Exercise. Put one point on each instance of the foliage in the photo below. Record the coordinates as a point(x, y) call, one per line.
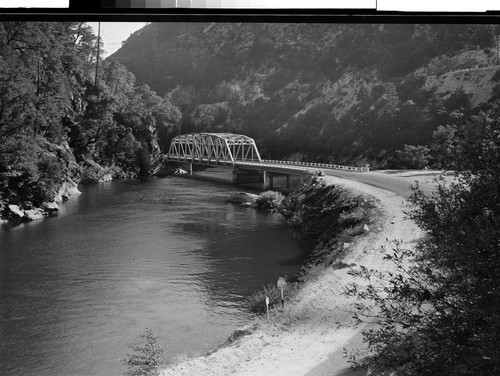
point(328, 214)
point(283, 83)
point(52, 94)
point(269, 199)
point(414, 156)
point(438, 310)
point(444, 146)
point(257, 301)
point(147, 358)
point(301, 133)
point(35, 174)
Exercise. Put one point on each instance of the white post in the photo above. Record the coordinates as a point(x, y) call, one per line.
point(267, 307)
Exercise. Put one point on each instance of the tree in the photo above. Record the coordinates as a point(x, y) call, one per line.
point(438, 312)
point(444, 145)
point(414, 156)
point(147, 358)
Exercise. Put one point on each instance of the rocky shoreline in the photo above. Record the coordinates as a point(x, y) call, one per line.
point(14, 212)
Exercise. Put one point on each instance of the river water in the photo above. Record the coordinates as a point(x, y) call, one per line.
point(77, 290)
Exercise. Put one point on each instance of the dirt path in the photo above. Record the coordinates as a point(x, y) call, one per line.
point(307, 336)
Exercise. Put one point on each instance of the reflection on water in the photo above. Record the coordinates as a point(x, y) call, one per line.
point(168, 254)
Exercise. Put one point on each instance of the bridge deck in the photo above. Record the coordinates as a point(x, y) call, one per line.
point(270, 165)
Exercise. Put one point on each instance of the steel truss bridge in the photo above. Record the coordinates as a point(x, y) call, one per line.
point(241, 153)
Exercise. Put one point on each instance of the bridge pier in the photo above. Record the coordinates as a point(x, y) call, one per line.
point(242, 176)
point(272, 175)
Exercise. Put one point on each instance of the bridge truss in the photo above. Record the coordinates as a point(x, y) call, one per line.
point(213, 148)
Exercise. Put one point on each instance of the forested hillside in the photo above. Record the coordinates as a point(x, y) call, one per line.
point(66, 117)
point(346, 93)
point(388, 95)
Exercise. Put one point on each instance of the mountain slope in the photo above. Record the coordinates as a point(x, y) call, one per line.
point(352, 93)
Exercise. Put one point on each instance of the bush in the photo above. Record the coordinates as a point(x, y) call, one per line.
point(438, 312)
point(257, 301)
point(269, 200)
point(147, 359)
point(351, 217)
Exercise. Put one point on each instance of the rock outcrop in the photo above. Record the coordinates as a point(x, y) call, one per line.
point(243, 198)
point(26, 213)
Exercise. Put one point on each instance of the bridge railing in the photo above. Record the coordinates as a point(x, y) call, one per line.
point(214, 161)
point(318, 165)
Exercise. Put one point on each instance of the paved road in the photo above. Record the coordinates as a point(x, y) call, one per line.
point(397, 182)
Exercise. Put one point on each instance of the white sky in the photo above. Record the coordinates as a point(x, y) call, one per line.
point(114, 33)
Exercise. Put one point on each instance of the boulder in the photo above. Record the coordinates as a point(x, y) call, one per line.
point(241, 332)
point(180, 171)
point(68, 189)
point(27, 205)
point(366, 228)
point(242, 198)
point(50, 207)
point(33, 214)
point(15, 211)
point(108, 176)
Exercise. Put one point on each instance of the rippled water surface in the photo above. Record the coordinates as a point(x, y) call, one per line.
point(168, 254)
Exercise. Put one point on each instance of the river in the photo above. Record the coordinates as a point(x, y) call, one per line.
point(77, 290)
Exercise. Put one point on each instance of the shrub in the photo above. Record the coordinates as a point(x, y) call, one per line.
point(438, 311)
point(350, 232)
point(312, 272)
point(147, 359)
point(350, 217)
point(257, 301)
point(269, 200)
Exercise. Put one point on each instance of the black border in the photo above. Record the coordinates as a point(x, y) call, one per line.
point(90, 13)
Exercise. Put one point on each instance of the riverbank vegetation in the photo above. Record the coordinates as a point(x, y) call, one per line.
point(147, 359)
point(439, 311)
point(66, 116)
point(331, 216)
